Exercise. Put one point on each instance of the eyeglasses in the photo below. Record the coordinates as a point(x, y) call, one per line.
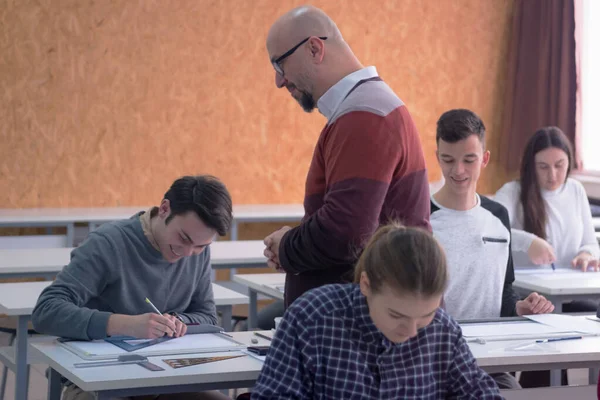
point(277, 63)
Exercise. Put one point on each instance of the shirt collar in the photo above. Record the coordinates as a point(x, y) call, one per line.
point(330, 101)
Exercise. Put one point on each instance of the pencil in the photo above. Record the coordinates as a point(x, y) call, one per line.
point(262, 336)
point(153, 306)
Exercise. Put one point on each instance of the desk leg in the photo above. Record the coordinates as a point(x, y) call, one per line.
point(54, 385)
point(555, 377)
point(70, 234)
point(234, 236)
point(593, 376)
point(253, 309)
point(557, 301)
point(226, 314)
point(22, 369)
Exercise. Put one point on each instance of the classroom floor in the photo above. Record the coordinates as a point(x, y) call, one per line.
point(38, 382)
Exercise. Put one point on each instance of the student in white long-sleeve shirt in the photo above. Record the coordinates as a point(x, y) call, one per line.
point(549, 212)
point(550, 218)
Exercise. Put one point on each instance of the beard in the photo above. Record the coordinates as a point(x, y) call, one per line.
point(307, 102)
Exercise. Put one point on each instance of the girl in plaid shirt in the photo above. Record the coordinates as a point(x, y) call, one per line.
point(383, 337)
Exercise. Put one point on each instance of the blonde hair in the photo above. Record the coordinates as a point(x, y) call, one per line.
point(406, 259)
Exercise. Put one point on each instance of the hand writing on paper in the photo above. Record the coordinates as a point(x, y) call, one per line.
point(180, 327)
point(584, 260)
point(272, 243)
point(540, 252)
point(534, 304)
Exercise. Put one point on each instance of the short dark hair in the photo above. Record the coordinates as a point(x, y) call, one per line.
point(407, 259)
point(459, 124)
point(205, 195)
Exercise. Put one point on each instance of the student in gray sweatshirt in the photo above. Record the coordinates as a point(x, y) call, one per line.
point(474, 231)
point(162, 254)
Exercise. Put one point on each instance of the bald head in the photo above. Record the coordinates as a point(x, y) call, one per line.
point(300, 23)
point(308, 54)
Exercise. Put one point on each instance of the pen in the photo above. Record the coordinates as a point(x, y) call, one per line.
point(558, 339)
point(262, 336)
point(553, 267)
point(153, 306)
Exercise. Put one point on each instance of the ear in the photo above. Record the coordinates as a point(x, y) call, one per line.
point(437, 154)
point(164, 210)
point(486, 159)
point(365, 285)
point(316, 49)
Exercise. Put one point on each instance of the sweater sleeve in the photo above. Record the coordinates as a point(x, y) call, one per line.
point(201, 309)
point(362, 155)
point(508, 196)
point(589, 243)
point(59, 310)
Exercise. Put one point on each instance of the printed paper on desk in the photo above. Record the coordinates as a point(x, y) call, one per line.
point(508, 329)
point(188, 344)
point(575, 324)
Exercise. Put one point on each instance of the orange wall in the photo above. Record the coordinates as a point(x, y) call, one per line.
point(105, 103)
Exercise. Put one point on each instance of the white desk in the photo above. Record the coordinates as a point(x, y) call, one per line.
point(267, 284)
point(133, 380)
point(49, 262)
point(130, 380)
point(95, 216)
point(559, 287)
point(19, 299)
point(225, 299)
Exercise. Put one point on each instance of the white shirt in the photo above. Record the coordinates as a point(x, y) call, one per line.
point(569, 227)
point(476, 243)
point(331, 100)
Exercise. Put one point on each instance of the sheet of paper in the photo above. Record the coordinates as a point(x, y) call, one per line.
point(573, 323)
point(509, 329)
point(543, 270)
point(201, 343)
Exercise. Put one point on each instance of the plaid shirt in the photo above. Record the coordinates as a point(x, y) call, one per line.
point(327, 347)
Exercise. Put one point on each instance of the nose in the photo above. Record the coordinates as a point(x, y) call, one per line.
point(411, 329)
point(280, 81)
point(552, 174)
point(460, 168)
point(188, 250)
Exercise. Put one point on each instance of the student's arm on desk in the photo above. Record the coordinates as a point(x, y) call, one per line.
point(59, 310)
point(202, 309)
point(361, 157)
point(286, 373)
point(465, 379)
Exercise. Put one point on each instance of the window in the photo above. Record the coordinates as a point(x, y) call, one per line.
point(590, 86)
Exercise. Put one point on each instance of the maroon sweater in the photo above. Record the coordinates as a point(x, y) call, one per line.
point(367, 169)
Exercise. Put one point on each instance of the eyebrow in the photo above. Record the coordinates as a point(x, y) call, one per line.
point(402, 315)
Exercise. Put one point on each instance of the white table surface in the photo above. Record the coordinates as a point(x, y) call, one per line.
point(571, 354)
point(133, 376)
point(227, 297)
point(29, 261)
point(19, 298)
point(556, 284)
point(241, 213)
point(262, 283)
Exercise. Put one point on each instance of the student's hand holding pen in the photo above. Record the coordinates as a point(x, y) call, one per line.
point(144, 326)
point(540, 252)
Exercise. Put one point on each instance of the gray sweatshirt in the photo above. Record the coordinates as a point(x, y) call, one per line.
point(113, 271)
